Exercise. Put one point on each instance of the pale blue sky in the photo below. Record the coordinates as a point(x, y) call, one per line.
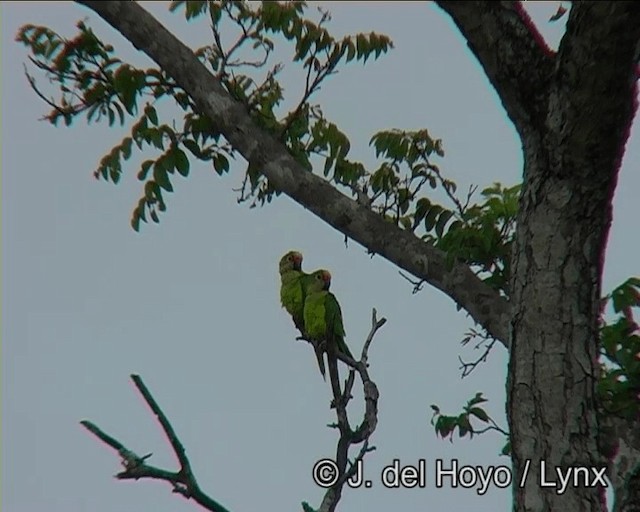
point(192, 304)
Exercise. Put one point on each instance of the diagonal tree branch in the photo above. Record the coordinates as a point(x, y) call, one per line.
point(512, 53)
point(264, 151)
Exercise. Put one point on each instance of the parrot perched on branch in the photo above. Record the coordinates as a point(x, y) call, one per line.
point(293, 283)
point(291, 289)
point(322, 314)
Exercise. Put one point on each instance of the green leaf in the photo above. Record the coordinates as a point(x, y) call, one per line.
point(430, 218)
point(135, 221)
point(124, 84)
point(155, 136)
point(464, 427)
point(161, 177)
point(151, 193)
point(125, 147)
point(477, 399)
point(181, 162)
point(151, 114)
point(351, 50)
point(422, 206)
point(445, 425)
point(144, 170)
point(479, 413)
point(303, 46)
point(442, 221)
point(220, 164)
point(142, 203)
point(193, 147)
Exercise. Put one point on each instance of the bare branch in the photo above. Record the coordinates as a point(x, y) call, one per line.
point(135, 467)
point(348, 436)
point(285, 174)
point(177, 446)
point(467, 368)
point(493, 426)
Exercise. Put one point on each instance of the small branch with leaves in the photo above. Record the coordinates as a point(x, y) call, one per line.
point(183, 481)
point(445, 426)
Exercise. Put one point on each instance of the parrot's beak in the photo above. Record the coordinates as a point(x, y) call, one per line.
point(297, 259)
point(326, 277)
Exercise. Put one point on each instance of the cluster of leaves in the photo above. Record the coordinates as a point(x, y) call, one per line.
point(478, 234)
point(483, 235)
point(91, 80)
point(619, 383)
point(446, 426)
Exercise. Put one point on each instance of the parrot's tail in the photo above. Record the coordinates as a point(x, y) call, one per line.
point(319, 356)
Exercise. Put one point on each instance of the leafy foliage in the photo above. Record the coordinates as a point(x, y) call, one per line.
point(619, 383)
point(483, 236)
point(446, 426)
point(92, 81)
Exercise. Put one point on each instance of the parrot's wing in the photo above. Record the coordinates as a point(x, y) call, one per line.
point(315, 325)
point(292, 297)
point(335, 327)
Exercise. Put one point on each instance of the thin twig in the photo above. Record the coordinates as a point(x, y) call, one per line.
point(467, 368)
point(417, 285)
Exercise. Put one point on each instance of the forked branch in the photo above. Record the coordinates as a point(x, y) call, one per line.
point(135, 467)
point(348, 436)
point(184, 481)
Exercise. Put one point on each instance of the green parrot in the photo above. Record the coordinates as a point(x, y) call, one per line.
point(291, 289)
point(322, 314)
point(293, 284)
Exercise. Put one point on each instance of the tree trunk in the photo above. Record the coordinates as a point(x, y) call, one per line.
point(562, 229)
point(572, 110)
point(572, 160)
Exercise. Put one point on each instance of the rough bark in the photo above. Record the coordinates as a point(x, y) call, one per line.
point(572, 111)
